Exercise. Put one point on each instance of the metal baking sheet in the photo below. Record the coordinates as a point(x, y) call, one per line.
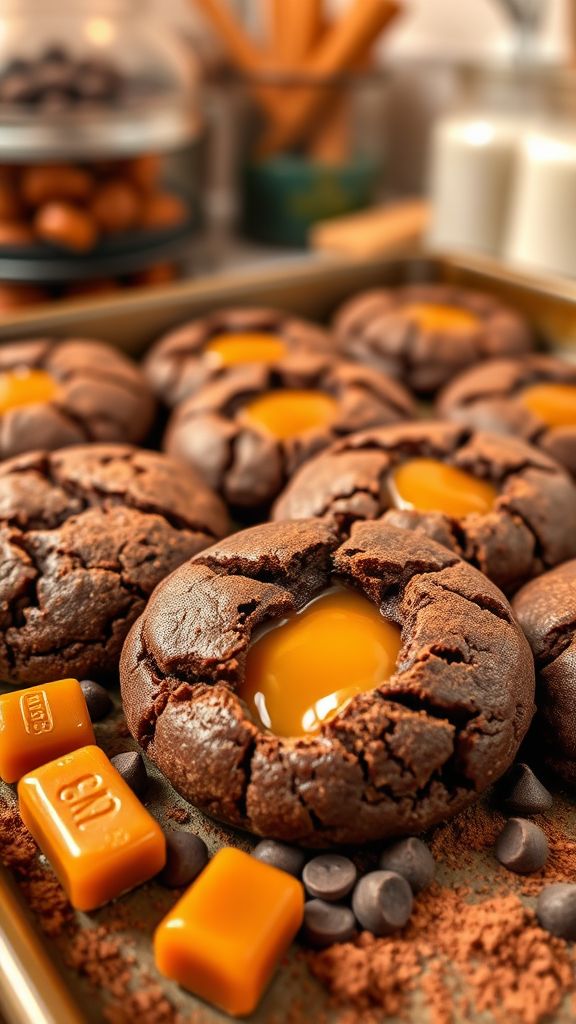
point(36, 986)
point(309, 285)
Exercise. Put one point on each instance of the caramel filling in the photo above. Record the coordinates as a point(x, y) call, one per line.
point(436, 317)
point(25, 387)
point(429, 485)
point(245, 347)
point(303, 672)
point(554, 404)
point(290, 413)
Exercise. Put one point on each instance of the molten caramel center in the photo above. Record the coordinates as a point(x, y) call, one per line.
point(554, 404)
point(290, 413)
point(246, 347)
point(303, 672)
point(436, 317)
point(429, 485)
point(25, 387)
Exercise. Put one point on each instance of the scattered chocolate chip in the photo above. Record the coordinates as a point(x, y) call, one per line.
point(412, 859)
point(186, 857)
point(522, 846)
point(327, 923)
point(556, 909)
point(98, 700)
point(280, 855)
point(382, 902)
point(329, 876)
point(131, 766)
point(521, 792)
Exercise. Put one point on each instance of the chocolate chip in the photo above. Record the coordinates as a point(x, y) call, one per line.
point(329, 876)
point(327, 923)
point(382, 902)
point(280, 855)
point(98, 700)
point(520, 792)
point(522, 846)
point(556, 909)
point(186, 857)
point(131, 766)
point(412, 859)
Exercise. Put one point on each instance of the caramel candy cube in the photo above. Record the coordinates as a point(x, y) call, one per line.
point(224, 937)
point(98, 837)
point(41, 723)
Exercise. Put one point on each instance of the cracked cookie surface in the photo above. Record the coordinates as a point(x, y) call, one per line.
point(178, 364)
point(101, 396)
point(86, 533)
point(546, 610)
point(396, 759)
point(376, 328)
point(531, 527)
point(248, 466)
point(488, 397)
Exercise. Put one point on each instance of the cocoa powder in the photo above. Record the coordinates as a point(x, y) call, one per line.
point(94, 953)
point(462, 955)
point(493, 953)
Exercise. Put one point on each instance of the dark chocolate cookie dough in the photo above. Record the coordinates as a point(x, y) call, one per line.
point(378, 328)
point(99, 395)
point(86, 533)
point(546, 610)
point(179, 363)
point(530, 528)
point(248, 466)
point(396, 759)
point(490, 397)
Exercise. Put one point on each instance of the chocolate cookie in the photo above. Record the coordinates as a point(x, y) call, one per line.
point(528, 527)
point(513, 396)
point(546, 610)
point(55, 393)
point(244, 460)
point(395, 759)
point(190, 356)
point(86, 533)
point(426, 334)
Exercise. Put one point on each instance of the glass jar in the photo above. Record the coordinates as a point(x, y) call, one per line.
point(293, 149)
point(503, 167)
point(99, 112)
point(150, 101)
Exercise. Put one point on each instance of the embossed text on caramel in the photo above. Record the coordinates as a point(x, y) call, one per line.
point(36, 712)
point(88, 800)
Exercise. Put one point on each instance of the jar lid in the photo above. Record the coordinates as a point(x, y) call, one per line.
point(80, 85)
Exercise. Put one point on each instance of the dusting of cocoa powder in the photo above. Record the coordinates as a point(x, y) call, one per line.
point(94, 953)
point(462, 955)
point(472, 831)
point(41, 890)
point(492, 952)
point(178, 814)
point(471, 948)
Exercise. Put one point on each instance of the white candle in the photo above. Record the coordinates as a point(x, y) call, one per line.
point(542, 222)
point(471, 172)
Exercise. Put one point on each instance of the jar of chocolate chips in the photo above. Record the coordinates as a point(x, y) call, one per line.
point(99, 124)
